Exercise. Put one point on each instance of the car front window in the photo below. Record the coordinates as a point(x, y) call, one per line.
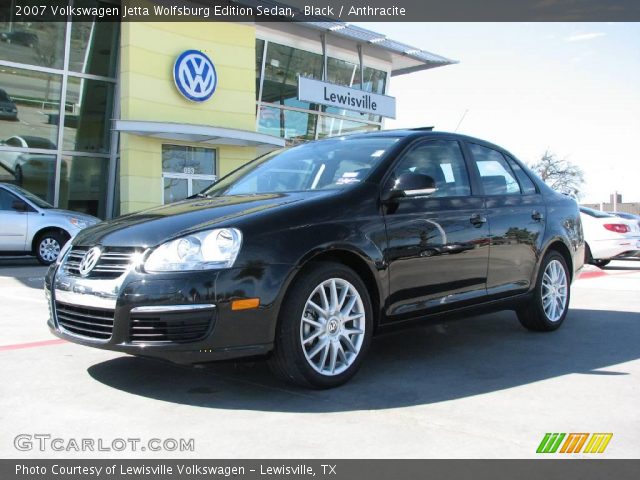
point(37, 201)
point(328, 164)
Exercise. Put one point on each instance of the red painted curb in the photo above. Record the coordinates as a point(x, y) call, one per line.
point(43, 343)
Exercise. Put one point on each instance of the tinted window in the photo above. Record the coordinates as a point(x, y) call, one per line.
point(497, 177)
point(442, 160)
point(6, 199)
point(528, 187)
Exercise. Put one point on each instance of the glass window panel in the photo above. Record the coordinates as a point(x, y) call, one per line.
point(198, 185)
point(188, 160)
point(94, 45)
point(282, 67)
point(29, 108)
point(87, 125)
point(497, 178)
point(441, 160)
point(35, 172)
point(34, 43)
point(330, 127)
point(83, 184)
point(528, 188)
point(175, 189)
point(288, 124)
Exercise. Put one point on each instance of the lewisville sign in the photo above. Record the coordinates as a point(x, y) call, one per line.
point(315, 91)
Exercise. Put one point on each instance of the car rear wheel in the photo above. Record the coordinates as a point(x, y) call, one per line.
point(48, 246)
point(550, 302)
point(324, 329)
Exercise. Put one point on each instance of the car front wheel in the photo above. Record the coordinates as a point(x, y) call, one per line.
point(324, 329)
point(550, 302)
point(48, 247)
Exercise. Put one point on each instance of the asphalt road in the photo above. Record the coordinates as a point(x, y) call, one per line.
point(481, 387)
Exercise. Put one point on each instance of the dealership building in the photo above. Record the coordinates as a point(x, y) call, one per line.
point(110, 118)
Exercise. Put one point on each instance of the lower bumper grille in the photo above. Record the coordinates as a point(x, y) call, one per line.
point(174, 327)
point(92, 323)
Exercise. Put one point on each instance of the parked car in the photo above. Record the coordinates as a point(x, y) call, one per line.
point(608, 236)
point(303, 254)
point(8, 108)
point(14, 160)
point(32, 226)
point(26, 39)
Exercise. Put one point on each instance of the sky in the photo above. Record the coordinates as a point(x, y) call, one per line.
point(571, 88)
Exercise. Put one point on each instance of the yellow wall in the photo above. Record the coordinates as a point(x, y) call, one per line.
point(148, 53)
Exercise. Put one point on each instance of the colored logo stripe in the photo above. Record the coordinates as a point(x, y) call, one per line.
point(550, 443)
point(574, 442)
point(598, 442)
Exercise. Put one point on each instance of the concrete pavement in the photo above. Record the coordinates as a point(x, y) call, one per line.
point(482, 387)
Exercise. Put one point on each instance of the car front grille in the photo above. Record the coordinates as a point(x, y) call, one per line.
point(87, 322)
point(113, 262)
point(150, 328)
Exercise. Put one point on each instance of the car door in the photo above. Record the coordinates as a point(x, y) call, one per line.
point(437, 249)
point(516, 212)
point(13, 231)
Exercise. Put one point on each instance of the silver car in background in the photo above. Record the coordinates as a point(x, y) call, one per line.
point(29, 225)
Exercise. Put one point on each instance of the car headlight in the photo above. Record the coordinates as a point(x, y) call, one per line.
point(79, 223)
point(210, 249)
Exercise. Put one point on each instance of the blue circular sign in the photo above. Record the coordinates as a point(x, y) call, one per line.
point(195, 76)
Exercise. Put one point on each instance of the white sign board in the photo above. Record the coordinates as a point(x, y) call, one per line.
point(324, 93)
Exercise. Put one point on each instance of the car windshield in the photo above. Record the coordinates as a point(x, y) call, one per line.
point(37, 201)
point(4, 97)
point(595, 213)
point(328, 164)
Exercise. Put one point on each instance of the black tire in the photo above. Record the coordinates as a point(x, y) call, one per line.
point(588, 258)
point(288, 360)
point(45, 246)
point(532, 314)
point(601, 263)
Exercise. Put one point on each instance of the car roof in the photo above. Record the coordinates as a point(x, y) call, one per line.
point(426, 132)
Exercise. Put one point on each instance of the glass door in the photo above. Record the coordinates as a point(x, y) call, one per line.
point(186, 171)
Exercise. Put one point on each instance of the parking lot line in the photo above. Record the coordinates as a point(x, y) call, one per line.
point(43, 343)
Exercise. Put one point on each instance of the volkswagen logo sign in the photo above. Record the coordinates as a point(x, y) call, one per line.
point(195, 76)
point(89, 261)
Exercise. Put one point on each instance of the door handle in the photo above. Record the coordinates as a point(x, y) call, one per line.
point(477, 219)
point(537, 216)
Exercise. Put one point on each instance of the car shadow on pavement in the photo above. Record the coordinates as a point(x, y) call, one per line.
point(26, 270)
point(409, 367)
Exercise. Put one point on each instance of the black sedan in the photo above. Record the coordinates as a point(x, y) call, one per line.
point(302, 255)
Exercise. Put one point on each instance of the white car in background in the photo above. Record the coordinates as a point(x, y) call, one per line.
point(29, 225)
point(608, 236)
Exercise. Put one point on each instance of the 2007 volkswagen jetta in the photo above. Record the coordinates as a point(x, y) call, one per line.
point(303, 254)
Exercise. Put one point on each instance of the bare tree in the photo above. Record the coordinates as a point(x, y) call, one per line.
point(559, 173)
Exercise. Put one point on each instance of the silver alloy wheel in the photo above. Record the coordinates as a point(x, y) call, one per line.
point(555, 291)
point(332, 327)
point(49, 249)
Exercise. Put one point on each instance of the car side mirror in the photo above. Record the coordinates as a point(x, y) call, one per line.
point(19, 206)
point(412, 185)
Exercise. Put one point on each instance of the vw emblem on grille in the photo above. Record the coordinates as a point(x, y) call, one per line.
point(195, 76)
point(89, 261)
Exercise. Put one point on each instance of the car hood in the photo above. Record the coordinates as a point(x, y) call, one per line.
point(69, 213)
point(157, 225)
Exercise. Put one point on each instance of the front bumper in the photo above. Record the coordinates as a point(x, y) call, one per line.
point(183, 317)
